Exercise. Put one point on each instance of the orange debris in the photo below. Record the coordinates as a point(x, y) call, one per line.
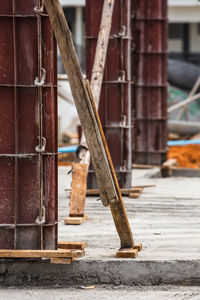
point(186, 156)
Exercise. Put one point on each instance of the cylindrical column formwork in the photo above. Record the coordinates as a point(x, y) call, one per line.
point(115, 101)
point(149, 59)
point(28, 127)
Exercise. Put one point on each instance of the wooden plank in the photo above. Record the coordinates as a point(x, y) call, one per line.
point(75, 220)
point(83, 98)
point(99, 62)
point(145, 186)
point(96, 83)
point(101, 49)
point(41, 253)
point(83, 103)
point(78, 192)
point(138, 247)
point(61, 261)
point(134, 195)
point(72, 245)
point(124, 191)
point(127, 253)
point(142, 166)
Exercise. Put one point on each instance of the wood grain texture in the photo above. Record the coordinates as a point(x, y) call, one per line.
point(72, 245)
point(101, 49)
point(124, 191)
point(40, 253)
point(78, 192)
point(82, 102)
point(85, 104)
point(75, 220)
point(127, 253)
point(99, 60)
point(61, 261)
point(134, 195)
point(138, 247)
point(96, 83)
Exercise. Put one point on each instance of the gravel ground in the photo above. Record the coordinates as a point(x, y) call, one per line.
point(104, 292)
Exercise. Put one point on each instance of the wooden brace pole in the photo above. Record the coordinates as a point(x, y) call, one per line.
point(83, 98)
point(99, 60)
point(79, 184)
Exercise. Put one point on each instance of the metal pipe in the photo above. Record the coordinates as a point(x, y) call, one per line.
point(183, 127)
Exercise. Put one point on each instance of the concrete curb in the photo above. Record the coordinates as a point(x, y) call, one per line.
point(109, 271)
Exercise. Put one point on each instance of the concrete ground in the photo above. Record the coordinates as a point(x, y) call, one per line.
point(103, 293)
point(165, 219)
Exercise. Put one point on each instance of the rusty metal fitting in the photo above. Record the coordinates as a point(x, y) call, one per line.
point(41, 220)
point(43, 147)
point(122, 76)
point(39, 10)
point(122, 31)
point(42, 81)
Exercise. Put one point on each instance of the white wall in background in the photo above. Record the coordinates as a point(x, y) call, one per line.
point(194, 38)
point(67, 113)
point(175, 45)
point(183, 2)
point(184, 14)
point(72, 2)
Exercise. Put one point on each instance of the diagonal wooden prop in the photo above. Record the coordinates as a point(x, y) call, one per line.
point(80, 168)
point(85, 104)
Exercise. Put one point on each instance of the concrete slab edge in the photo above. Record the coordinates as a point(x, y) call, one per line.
point(109, 271)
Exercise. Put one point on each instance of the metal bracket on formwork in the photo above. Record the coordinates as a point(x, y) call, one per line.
point(123, 168)
point(122, 124)
point(122, 32)
point(41, 9)
point(122, 76)
point(42, 148)
point(41, 219)
point(42, 81)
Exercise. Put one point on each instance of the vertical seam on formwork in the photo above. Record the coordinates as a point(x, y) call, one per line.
point(164, 69)
point(122, 79)
point(16, 124)
point(39, 82)
point(145, 24)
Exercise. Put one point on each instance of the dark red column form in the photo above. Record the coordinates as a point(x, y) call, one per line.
point(28, 127)
point(115, 102)
point(150, 81)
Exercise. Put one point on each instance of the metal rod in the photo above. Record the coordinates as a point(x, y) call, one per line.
point(40, 115)
point(183, 103)
point(16, 124)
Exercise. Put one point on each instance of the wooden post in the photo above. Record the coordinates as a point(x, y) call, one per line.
point(100, 59)
point(83, 98)
point(77, 202)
